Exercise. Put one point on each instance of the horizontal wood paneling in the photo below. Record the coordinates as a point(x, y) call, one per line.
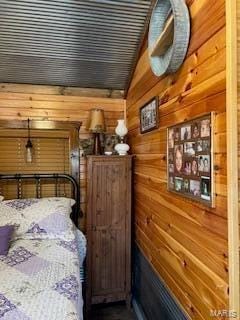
point(200, 12)
point(20, 101)
point(186, 242)
point(50, 154)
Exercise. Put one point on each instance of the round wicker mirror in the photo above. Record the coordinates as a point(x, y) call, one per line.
point(169, 34)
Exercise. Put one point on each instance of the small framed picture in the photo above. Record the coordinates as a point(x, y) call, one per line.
point(177, 134)
point(171, 168)
point(149, 118)
point(178, 156)
point(171, 182)
point(199, 146)
point(205, 188)
point(204, 163)
point(186, 185)
point(205, 128)
point(190, 156)
point(206, 145)
point(195, 130)
point(195, 188)
point(187, 167)
point(186, 133)
point(178, 184)
point(189, 148)
point(170, 138)
point(170, 156)
point(194, 167)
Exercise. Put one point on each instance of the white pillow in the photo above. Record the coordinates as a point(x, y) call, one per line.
point(47, 218)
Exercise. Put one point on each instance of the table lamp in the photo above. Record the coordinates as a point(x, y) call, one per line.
point(96, 125)
point(121, 130)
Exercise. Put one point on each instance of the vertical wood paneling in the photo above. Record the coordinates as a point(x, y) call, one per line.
point(109, 219)
point(186, 243)
point(19, 102)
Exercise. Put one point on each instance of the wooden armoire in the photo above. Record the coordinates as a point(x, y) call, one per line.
point(109, 183)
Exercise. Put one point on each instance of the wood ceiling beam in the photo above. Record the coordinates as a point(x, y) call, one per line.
point(60, 90)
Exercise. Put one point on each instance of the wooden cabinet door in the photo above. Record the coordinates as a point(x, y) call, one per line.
point(109, 226)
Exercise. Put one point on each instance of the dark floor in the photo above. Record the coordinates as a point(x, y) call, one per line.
point(112, 312)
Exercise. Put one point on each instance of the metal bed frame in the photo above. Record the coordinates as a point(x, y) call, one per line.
point(54, 176)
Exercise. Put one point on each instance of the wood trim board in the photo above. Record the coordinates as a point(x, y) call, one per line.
point(232, 24)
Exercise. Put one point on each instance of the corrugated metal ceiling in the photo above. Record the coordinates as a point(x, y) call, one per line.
point(69, 42)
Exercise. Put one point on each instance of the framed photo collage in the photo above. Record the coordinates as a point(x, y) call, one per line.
point(190, 159)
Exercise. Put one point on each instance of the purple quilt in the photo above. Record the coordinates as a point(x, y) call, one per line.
point(40, 280)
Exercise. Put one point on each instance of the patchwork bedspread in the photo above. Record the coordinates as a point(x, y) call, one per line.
point(40, 280)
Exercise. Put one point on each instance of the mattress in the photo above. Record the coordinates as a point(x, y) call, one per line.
point(40, 279)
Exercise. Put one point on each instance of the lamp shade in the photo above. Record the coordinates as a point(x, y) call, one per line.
point(96, 121)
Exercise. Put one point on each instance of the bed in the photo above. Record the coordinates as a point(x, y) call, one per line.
point(41, 276)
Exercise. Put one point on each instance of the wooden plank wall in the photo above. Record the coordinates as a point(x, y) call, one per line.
point(19, 101)
point(186, 243)
point(51, 154)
